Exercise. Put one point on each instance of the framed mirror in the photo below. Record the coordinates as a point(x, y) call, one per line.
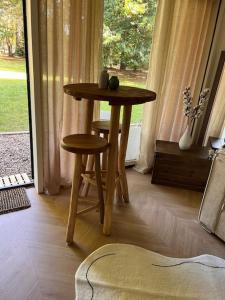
point(218, 89)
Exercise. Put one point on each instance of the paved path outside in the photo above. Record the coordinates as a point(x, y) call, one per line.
point(12, 75)
point(15, 154)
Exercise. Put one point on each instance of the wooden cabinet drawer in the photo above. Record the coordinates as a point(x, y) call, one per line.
point(182, 170)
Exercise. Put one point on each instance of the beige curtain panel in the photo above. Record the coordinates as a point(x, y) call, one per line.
point(181, 43)
point(70, 41)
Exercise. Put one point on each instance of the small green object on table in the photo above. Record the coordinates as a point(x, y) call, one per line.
point(114, 83)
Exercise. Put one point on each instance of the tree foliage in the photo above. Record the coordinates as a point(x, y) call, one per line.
point(11, 26)
point(127, 35)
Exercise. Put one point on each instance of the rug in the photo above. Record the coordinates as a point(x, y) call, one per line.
point(119, 272)
point(13, 199)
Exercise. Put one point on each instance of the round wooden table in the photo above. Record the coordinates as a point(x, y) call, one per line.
point(124, 96)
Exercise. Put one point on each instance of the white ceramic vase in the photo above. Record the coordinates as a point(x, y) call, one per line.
point(103, 80)
point(186, 140)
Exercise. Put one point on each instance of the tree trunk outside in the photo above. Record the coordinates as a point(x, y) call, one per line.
point(10, 54)
point(9, 46)
point(122, 61)
point(122, 65)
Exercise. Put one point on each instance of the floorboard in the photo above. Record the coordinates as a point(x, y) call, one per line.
point(36, 264)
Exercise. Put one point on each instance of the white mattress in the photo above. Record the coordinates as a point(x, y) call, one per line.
point(121, 271)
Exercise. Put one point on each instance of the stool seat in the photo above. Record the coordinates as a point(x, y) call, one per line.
point(84, 144)
point(103, 126)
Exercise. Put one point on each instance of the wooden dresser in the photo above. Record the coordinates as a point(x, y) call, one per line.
point(187, 169)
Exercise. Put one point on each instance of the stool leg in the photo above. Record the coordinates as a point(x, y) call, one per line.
point(89, 109)
point(105, 154)
point(74, 199)
point(119, 194)
point(123, 149)
point(90, 166)
point(112, 167)
point(99, 186)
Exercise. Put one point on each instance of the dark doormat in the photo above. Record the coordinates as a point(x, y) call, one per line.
point(13, 199)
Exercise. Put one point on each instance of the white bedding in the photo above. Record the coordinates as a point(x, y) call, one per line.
point(121, 271)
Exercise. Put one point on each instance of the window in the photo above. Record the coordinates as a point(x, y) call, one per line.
point(127, 39)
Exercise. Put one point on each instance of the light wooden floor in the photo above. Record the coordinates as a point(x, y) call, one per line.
point(36, 264)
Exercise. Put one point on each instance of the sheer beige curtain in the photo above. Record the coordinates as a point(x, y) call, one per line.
point(70, 41)
point(181, 43)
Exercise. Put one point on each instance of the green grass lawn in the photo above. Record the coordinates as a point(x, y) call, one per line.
point(13, 105)
point(137, 110)
point(13, 98)
point(12, 64)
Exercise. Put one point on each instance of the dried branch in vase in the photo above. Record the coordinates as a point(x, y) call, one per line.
point(194, 112)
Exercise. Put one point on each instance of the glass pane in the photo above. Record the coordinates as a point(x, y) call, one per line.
point(14, 117)
point(127, 40)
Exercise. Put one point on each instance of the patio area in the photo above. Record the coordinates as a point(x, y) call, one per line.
point(15, 154)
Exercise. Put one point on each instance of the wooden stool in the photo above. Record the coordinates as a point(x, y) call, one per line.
point(83, 144)
point(124, 98)
point(102, 127)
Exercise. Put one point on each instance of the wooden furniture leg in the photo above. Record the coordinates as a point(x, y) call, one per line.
point(88, 121)
point(105, 154)
point(74, 199)
point(99, 186)
point(90, 166)
point(122, 151)
point(112, 167)
point(87, 130)
point(89, 116)
point(119, 195)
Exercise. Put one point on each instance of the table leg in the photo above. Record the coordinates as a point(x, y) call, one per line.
point(112, 167)
point(123, 149)
point(99, 186)
point(89, 116)
point(119, 195)
point(87, 130)
point(105, 154)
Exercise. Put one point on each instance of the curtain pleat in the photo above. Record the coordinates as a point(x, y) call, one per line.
point(181, 43)
point(70, 52)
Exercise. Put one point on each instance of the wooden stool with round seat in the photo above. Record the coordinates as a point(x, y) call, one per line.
point(102, 127)
point(83, 144)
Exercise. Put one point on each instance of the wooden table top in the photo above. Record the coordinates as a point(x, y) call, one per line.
point(124, 95)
